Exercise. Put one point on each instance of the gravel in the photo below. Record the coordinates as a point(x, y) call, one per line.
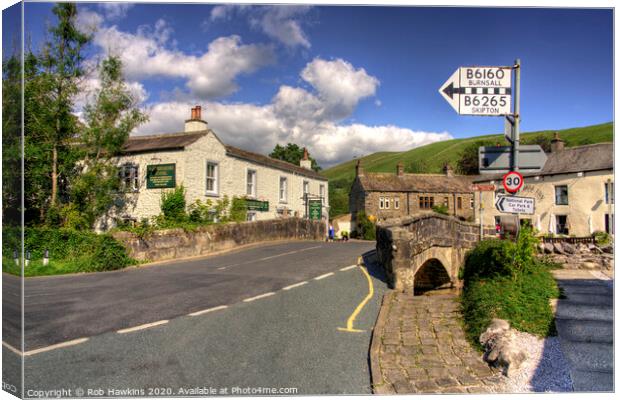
point(545, 370)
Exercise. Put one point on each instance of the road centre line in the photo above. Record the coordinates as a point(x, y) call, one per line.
point(294, 285)
point(268, 257)
point(348, 268)
point(208, 310)
point(141, 327)
point(44, 349)
point(260, 296)
point(318, 278)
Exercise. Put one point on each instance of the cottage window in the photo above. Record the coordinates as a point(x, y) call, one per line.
point(561, 224)
point(609, 193)
point(129, 177)
point(387, 203)
point(471, 203)
point(446, 201)
point(561, 195)
point(212, 178)
point(250, 216)
point(283, 189)
point(251, 183)
point(459, 203)
point(427, 202)
point(396, 203)
point(381, 203)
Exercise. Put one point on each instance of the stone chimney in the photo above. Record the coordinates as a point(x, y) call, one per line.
point(305, 162)
point(400, 169)
point(447, 169)
point(195, 123)
point(557, 144)
point(359, 168)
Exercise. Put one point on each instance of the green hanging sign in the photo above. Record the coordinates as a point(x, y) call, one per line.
point(315, 208)
point(161, 176)
point(257, 205)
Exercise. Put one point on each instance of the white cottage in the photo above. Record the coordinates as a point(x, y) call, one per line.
point(209, 169)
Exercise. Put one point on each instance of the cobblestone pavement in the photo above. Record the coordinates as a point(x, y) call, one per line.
point(419, 347)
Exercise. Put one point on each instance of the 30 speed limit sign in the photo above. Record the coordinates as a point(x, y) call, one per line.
point(512, 182)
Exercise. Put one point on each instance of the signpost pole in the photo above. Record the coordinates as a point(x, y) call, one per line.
point(515, 128)
point(517, 117)
point(480, 214)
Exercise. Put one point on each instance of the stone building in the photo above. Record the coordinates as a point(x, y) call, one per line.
point(573, 193)
point(209, 169)
point(392, 195)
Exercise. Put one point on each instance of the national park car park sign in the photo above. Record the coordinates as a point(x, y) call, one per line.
point(161, 176)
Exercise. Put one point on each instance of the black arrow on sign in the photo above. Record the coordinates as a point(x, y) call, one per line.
point(499, 204)
point(449, 90)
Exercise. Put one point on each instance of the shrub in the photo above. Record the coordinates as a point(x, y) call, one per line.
point(504, 279)
point(523, 302)
point(441, 209)
point(602, 238)
point(487, 260)
point(70, 251)
point(173, 204)
point(238, 210)
point(366, 228)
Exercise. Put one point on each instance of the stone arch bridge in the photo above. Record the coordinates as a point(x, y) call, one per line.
point(425, 252)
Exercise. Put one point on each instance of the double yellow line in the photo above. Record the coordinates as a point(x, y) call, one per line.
point(371, 292)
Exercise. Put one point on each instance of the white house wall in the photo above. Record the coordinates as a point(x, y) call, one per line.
point(191, 173)
point(586, 197)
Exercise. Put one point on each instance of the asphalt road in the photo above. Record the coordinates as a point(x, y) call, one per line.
point(288, 339)
point(62, 308)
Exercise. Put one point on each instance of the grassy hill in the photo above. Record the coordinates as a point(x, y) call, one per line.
point(431, 158)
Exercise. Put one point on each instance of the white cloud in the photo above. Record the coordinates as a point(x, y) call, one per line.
point(282, 24)
point(88, 21)
point(210, 75)
point(260, 128)
point(115, 11)
point(227, 11)
point(306, 116)
point(339, 85)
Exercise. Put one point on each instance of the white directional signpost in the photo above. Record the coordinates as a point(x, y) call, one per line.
point(479, 91)
point(491, 91)
point(515, 204)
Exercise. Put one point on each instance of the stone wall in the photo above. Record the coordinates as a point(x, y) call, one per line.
point(405, 244)
point(171, 244)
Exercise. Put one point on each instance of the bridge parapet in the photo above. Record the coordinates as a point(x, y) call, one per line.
point(406, 245)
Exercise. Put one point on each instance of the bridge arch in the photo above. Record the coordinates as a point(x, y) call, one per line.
point(431, 275)
point(426, 250)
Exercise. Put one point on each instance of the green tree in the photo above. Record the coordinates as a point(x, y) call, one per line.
point(11, 143)
point(544, 141)
point(292, 153)
point(467, 164)
point(51, 83)
point(109, 119)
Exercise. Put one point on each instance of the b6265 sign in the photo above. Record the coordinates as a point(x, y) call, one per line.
point(485, 91)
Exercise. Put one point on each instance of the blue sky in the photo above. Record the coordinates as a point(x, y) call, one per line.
point(347, 81)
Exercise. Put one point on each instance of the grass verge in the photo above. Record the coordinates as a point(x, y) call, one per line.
point(519, 294)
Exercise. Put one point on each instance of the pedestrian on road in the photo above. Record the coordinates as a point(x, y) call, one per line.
point(331, 233)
